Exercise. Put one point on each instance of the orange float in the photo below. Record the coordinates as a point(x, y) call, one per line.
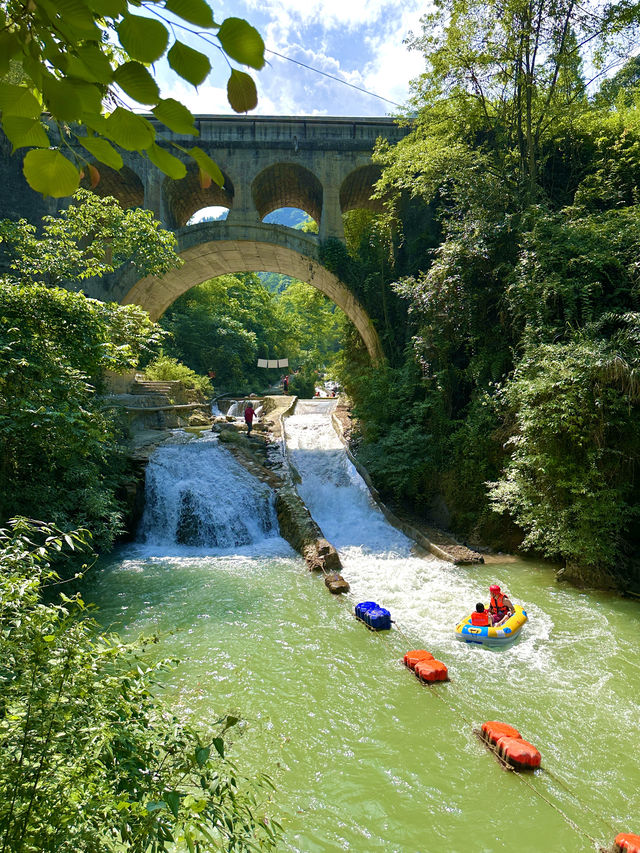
point(627, 842)
point(518, 753)
point(510, 746)
point(493, 731)
point(431, 670)
point(412, 658)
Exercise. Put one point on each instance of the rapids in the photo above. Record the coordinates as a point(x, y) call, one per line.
point(363, 757)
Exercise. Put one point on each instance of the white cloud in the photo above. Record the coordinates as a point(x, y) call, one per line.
point(328, 14)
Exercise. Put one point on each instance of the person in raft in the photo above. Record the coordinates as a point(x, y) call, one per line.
point(500, 606)
point(249, 412)
point(481, 617)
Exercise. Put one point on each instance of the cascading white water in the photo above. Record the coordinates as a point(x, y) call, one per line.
point(424, 594)
point(198, 495)
point(236, 409)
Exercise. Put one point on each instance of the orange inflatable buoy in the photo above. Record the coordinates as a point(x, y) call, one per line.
point(627, 842)
point(431, 670)
point(493, 731)
point(517, 752)
point(412, 658)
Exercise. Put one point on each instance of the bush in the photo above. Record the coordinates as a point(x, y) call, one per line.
point(171, 370)
point(60, 455)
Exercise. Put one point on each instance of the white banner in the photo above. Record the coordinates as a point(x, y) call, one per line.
point(283, 362)
point(262, 362)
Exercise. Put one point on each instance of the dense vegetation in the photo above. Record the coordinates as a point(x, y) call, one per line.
point(512, 241)
point(226, 324)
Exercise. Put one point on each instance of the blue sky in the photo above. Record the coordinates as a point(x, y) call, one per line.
point(359, 41)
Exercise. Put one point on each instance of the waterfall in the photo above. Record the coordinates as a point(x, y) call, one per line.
point(198, 495)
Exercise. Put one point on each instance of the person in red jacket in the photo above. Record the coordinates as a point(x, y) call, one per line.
point(500, 605)
point(249, 412)
point(481, 617)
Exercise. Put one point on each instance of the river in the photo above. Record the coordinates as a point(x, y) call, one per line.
point(365, 758)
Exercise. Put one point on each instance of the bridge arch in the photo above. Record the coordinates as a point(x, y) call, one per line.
point(357, 187)
point(186, 196)
point(124, 185)
point(287, 185)
point(210, 249)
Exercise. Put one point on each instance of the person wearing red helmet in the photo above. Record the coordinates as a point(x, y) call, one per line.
point(500, 606)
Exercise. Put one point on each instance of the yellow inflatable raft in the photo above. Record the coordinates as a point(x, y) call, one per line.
point(490, 636)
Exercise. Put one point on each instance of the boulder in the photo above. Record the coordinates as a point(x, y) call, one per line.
point(336, 584)
point(199, 419)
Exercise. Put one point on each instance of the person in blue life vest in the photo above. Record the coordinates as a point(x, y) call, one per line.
point(481, 617)
point(500, 606)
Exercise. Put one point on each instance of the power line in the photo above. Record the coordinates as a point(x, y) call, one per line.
point(332, 77)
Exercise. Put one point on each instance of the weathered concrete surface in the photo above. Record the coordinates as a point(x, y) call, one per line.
point(210, 249)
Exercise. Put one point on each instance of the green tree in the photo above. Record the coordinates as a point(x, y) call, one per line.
point(60, 448)
point(226, 324)
point(73, 59)
point(92, 237)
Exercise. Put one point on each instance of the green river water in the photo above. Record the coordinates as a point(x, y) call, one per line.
point(364, 757)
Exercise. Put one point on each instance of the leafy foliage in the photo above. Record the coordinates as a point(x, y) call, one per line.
point(227, 323)
point(165, 369)
point(60, 455)
point(92, 237)
point(90, 759)
point(72, 58)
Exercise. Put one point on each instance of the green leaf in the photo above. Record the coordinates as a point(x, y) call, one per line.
point(242, 42)
point(108, 8)
point(190, 64)
point(166, 162)
point(219, 745)
point(50, 173)
point(73, 15)
point(202, 755)
point(128, 130)
point(208, 166)
point(25, 132)
point(9, 46)
point(241, 91)
point(173, 801)
point(18, 101)
point(62, 98)
point(101, 150)
point(90, 64)
point(175, 116)
point(134, 79)
point(154, 806)
point(197, 12)
point(143, 38)
point(231, 721)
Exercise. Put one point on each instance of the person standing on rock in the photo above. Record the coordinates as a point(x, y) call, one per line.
point(249, 412)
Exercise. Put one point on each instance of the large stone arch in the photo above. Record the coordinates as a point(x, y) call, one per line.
point(357, 187)
point(287, 185)
point(187, 195)
point(210, 249)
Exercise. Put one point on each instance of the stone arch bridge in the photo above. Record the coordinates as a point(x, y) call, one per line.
point(320, 165)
